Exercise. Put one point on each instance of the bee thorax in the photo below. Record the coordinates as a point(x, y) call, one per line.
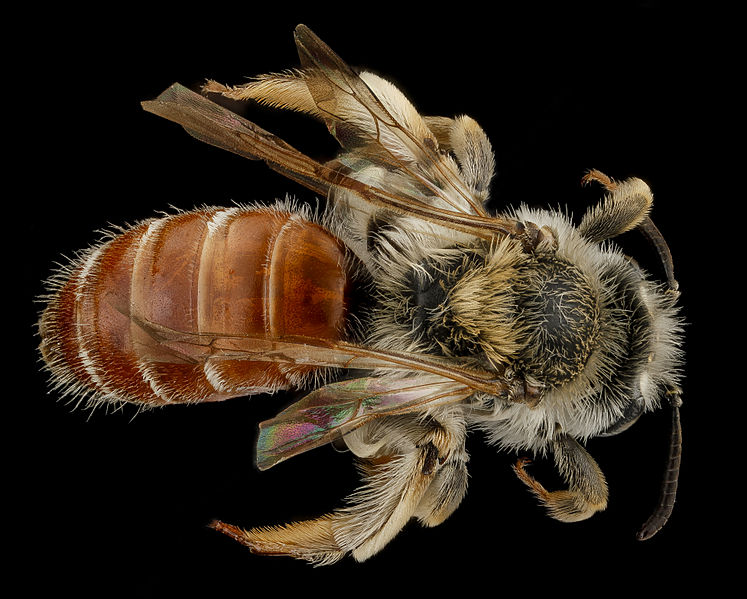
point(463, 305)
point(434, 319)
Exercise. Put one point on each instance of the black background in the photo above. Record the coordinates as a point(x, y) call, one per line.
point(119, 504)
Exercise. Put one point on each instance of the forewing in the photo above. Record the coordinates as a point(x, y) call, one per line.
point(166, 344)
point(390, 128)
point(213, 124)
point(337, 408)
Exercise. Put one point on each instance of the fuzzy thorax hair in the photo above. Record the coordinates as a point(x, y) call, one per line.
point(456, 302)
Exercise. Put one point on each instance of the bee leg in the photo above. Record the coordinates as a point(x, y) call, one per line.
point(625, 208)
point(446, 491)
point(411, 469)
point(587, 487)
point(596, 176)
point(468, 143)
point(427, 482)
point(311, 540)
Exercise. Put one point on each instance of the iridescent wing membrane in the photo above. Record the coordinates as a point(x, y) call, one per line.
point(340, 407)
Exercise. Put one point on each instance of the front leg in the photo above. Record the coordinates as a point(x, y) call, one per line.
point(587, 487)
point(625, 208)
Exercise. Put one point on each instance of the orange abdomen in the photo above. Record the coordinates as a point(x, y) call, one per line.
point(235, 271)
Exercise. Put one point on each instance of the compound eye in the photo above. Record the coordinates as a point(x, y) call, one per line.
point(627, 419)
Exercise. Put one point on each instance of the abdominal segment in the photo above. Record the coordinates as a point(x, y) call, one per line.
point(239, 271)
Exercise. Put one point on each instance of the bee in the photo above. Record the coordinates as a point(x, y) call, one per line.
point(408, 313)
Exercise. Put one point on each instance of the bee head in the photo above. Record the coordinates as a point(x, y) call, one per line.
point(599, 338)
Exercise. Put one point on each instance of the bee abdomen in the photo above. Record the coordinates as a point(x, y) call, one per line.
point(236, 271)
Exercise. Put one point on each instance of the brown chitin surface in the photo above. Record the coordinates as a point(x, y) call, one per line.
point(232, 271)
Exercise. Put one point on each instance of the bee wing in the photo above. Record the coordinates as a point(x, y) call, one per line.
point(214, 124)
point(335, 408)
point(340, 407)
point(448, 162)
point(171, 345)
point(374, 114)
point(217, 126)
